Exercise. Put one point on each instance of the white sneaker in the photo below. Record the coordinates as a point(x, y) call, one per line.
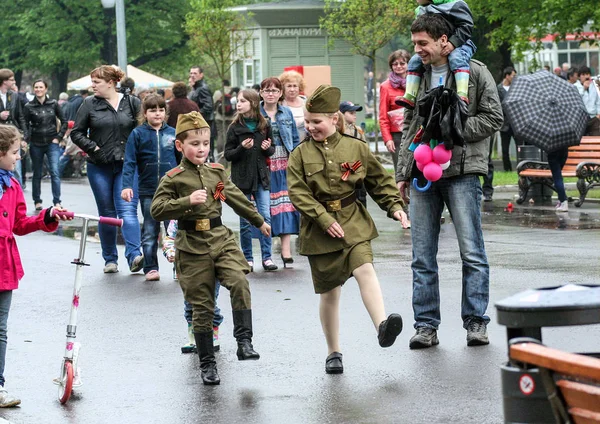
point(562, 206)
point(7, 400)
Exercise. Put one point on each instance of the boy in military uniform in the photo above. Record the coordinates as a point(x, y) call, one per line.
point(205, 249)
point(336, 230)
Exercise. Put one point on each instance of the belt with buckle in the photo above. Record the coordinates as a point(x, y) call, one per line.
point(200, 224)
point(337, 205)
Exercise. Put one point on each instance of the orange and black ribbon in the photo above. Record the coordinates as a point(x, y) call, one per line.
point(350, 169)
point(219, 191)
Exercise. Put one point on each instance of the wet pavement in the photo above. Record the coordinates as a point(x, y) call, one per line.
point(131, 332)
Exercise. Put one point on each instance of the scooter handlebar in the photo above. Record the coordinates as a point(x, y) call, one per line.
point(115, 222)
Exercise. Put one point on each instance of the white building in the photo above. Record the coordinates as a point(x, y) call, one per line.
point(570, 50)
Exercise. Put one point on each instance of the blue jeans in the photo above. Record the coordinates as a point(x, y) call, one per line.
point(218, 318)
point(262, 198)
point(5, 299)
point(18, 169)
point(458, 59)
point(106, 182)
point(53, 152)
point(462, 196)
point(556, 161)
point(150, 232)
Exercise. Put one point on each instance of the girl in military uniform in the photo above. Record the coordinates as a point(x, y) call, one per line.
point(336, 230)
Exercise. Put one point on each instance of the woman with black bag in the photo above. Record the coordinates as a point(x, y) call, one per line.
point(110, 116)
point(45, 128)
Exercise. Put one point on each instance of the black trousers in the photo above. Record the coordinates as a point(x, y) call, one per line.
point(505, 136)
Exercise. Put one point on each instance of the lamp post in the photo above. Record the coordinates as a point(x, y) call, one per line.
point(119, 5)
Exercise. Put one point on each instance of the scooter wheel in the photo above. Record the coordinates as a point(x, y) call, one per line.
point(66, 382)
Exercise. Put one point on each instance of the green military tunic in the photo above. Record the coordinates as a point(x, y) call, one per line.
point(205, 255)
point(315, 171)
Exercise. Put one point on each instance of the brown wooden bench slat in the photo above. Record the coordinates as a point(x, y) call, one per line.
point(590, 139)
point(593, 147)
point(545, 173)
point(584, 155)
point(579, 395)
point(584, 417)
point(563, 362)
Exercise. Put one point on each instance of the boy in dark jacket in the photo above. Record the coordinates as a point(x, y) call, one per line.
point(460, 49)
point(150, 153)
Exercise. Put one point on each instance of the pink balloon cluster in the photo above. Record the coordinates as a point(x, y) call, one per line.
point(432, 162)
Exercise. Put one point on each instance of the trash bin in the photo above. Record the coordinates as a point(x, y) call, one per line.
point(525, 314)
point(540, 193)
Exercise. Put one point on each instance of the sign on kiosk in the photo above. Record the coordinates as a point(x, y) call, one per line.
point(314, 76)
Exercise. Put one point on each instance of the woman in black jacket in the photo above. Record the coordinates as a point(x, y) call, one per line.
point(110, 116)
point(247, 147)
point(45, 126)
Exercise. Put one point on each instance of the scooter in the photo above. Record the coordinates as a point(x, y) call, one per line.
point(69, 365)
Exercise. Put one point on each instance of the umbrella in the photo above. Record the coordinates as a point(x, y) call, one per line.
point(141, 78)
point(546, 111)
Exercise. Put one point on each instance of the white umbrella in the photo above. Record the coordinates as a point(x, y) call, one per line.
point(141, 78)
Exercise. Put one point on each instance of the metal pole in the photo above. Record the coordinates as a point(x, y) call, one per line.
point(121, 36)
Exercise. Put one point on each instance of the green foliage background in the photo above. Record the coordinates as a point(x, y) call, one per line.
point(64, 39)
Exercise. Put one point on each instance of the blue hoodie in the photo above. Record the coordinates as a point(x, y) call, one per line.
point(142, 153)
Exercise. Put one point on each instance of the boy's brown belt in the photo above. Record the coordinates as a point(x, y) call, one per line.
point(200, 224)
point(336, 205)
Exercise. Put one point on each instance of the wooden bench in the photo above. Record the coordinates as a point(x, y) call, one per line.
point(583, 162)
point(572, 381)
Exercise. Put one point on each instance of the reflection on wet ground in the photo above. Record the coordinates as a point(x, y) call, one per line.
point(496, 213)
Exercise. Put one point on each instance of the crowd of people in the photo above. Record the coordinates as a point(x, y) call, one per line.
point(299, 166)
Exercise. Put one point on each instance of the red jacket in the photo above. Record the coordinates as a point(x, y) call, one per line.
point(387, 95)
point(14, 220)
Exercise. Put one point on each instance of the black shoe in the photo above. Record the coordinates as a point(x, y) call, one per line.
point(246, 351)
point(424, 337)
point(487, 197)
point(208, 365)
point(477, 333)
point(333, 364)
point(269, 265)
point(242, 331)
point(389, 330)
point(287, 261)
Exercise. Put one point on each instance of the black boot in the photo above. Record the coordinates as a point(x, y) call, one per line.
point(242, 331)
point(208, 365)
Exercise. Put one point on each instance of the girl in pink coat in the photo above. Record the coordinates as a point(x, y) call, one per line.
point(13, 220)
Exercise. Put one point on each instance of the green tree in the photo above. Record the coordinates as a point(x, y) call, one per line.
point(62, 38)
point(367, 25)
point(219, 34)
point(522, 25)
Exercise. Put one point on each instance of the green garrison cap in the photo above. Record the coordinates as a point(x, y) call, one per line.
point(190, 121)
point(325, 99)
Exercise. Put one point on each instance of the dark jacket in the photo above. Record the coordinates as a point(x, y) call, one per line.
point(108, 129)
point(248, 166)
point(485, 118)
point(202, 95)
point(178, 106)
point(40, 120)
point(457, 14)
point(72, 106)
point(502, 93)
point(152, 152)
point(15, 108)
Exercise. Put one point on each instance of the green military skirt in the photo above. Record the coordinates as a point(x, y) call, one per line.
point(330, 270)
